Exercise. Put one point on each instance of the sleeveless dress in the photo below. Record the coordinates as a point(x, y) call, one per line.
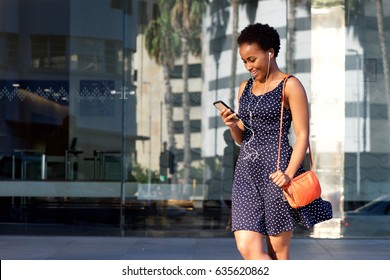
point(257, 203)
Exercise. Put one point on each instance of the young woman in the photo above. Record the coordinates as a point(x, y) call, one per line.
point(259, 209)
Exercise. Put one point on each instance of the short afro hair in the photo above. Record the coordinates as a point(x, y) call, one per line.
point(263, 35)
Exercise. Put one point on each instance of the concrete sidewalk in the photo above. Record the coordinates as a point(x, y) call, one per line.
point(151, 248)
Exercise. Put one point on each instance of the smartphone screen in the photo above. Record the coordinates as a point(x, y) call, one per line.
point(219, 104)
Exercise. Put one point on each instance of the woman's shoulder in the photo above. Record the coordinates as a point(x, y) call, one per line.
point(292, 81)
point(294, 88)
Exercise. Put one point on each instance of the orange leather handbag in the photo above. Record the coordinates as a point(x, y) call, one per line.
point(304, 188)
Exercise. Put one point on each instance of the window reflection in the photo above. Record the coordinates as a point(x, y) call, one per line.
point(90, 110)
point(48, 52)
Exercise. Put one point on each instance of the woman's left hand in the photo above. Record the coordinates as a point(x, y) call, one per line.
point(280, 178)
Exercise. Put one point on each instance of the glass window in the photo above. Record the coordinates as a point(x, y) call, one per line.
point(48, 52)
point(108, 127)
point(8, 47)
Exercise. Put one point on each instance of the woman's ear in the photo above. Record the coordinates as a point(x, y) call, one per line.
point(270, 53)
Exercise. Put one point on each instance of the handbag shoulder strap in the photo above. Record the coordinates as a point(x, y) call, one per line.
point(281, 125)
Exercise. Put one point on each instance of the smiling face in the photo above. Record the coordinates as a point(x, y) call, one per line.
point(255, 60)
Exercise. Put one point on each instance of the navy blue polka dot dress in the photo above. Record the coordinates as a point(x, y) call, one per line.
point(257, 203)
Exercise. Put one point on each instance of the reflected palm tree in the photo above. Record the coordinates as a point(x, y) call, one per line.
point(385, 59)
point(235, 18)
point(187, 22)
point(353, 19)
point(251, 10)
point(220, 15)
point(292, 31)
point(164, 46)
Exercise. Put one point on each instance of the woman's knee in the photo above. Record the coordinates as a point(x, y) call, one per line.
point(279, 245)
point(244, 247)
point(250, 245)
point(250, 252)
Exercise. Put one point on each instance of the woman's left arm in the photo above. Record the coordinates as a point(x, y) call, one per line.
point(296, 101)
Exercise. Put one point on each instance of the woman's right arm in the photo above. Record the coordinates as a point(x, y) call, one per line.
point(235, 125)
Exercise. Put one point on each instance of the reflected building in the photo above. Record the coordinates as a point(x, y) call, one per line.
point(63, 89)
point(83, 117)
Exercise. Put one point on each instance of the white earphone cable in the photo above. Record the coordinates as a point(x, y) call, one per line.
point(252, 153)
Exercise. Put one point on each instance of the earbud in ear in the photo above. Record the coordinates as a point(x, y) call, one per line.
point(269, 54)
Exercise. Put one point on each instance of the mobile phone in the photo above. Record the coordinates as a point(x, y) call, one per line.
point(219, 104)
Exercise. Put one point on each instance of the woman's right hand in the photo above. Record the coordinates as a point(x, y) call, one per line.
point(229, 118)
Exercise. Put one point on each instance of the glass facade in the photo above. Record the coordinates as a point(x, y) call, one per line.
point(107, 125)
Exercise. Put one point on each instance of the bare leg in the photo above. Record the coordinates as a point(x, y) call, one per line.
point(250, 244)
point(279, 245)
